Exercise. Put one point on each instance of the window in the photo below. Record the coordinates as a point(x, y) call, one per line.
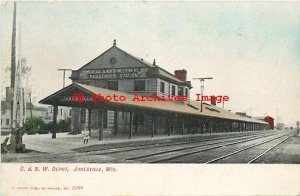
point(82, 116)
point(113, 85)
point(180, 91)
point(186, 92)
point(139, 85)
point(1, 121)
point(70, 112)
point(61, 111)
point(162, 87)
point(173, 90)
point(7, 121)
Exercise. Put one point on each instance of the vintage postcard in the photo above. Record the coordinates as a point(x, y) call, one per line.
point(150, 98)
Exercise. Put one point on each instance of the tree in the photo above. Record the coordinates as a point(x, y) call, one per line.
point(34, 125)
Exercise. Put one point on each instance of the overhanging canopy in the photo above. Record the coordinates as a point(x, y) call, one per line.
point(64, 96)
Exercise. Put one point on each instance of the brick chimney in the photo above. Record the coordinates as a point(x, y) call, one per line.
point(213, 100)
point(181, 74)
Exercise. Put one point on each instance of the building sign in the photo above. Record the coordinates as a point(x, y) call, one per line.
point(76, 97)
point(114, 73)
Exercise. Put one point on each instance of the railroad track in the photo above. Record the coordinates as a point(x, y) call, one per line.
point(121, 154)
point(216, 145)
point(168, 156)
point(285, 137)
point(265, 152)
point(170, 144)
point(163, 155)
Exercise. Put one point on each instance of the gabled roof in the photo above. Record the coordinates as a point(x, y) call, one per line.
point(192, 108)
point(162, 71)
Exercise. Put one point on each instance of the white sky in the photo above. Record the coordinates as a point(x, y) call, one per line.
point(251, 49)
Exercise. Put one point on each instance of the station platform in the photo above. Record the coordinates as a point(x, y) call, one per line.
point(123, 140)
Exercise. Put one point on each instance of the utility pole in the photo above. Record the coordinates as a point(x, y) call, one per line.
point(13, 66)
point(202, 87)
point(17, 115)
point(64, 74)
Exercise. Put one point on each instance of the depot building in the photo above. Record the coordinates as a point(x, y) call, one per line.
point(116, 72)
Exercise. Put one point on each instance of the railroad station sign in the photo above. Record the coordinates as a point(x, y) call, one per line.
point(114, 73)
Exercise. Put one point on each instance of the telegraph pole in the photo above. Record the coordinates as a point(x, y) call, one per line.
point(13, 66)
point(202, 87)
point(16, 91)
point(64, 74)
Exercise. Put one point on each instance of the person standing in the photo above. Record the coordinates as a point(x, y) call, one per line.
point(87, 136)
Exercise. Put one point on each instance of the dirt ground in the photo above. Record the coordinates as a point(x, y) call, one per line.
point(287, 152)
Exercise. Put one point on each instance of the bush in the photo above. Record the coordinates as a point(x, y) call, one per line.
point(34, 125)
point(62, 126)
point(37, 125)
